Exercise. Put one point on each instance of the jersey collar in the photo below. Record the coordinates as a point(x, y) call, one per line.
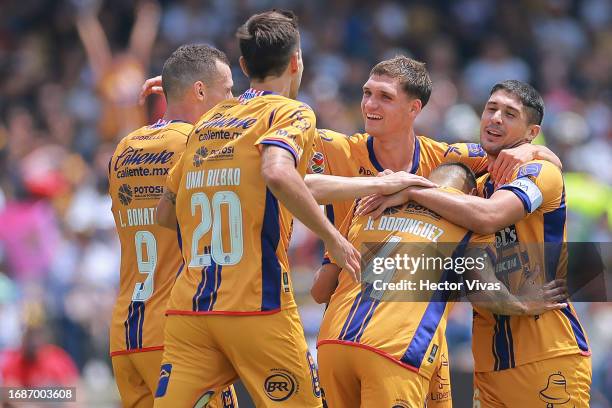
point(253, 93)
point(416, 156)
point(161, 123)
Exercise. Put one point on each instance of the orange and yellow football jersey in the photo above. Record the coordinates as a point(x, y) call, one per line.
point(235, 232)
point(532, 250)
point(349, 156)
point(395, 324)
point(150, 254)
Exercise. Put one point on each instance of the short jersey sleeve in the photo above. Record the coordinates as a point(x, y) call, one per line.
point(292, 128)
point(538, 184)
point(470, 154)
point(332, 154)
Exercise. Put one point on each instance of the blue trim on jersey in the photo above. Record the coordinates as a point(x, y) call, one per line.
point(371, 155)
point(283, 145)
point(206, 293)
point(416, 155)
point(428, 325)
point(365, 308)
point(489, 188)
point(521, 195)
point(367, 320)
point(270, 266)
point(576, 328)
point(350, 315)
point(503, 344)
point(329, 213)
point(554, 227)
point(179, 237)
point(133, 325)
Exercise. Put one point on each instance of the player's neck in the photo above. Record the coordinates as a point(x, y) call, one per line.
point(395, 152)
point(279, 85)
point(180, 112)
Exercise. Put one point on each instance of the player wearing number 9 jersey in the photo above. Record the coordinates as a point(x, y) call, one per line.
point(150, 254)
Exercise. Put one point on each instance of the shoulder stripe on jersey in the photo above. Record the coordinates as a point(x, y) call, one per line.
point(271, 119)
point(133, 325)
point(416, 155)
point(284, 145)
point(428, 325)
point(270, 267)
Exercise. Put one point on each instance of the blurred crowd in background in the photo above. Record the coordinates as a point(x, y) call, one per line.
point(71, 71)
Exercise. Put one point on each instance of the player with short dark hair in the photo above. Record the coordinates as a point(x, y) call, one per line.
point(515, 357)
point(232, 313)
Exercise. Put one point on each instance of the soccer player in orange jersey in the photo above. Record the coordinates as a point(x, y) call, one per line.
point(381, 346)
point(195, 78)
point(517, 358)
point(231, 312)
point(395, 93)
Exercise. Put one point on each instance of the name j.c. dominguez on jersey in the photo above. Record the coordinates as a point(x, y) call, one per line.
point(130, 162)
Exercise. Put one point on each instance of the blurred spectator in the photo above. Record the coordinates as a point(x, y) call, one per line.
point(118, 77)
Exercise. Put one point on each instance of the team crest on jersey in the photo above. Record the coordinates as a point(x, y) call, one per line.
point(125, 194)
point(164, 379)
point(555, 392)
point(317, 163)
point(281, 385)
point(199, 156)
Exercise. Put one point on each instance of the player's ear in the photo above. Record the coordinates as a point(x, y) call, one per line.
point(532, 132)
point(294, 62)
point(474, 191)
point(243, 66)
point(199, 90)
point(416, 106)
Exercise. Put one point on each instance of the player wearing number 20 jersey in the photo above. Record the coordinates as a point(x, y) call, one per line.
point(234, 299)
point(235, 232)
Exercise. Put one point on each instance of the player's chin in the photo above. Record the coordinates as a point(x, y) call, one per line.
point(372, 125)
point(490, 147)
